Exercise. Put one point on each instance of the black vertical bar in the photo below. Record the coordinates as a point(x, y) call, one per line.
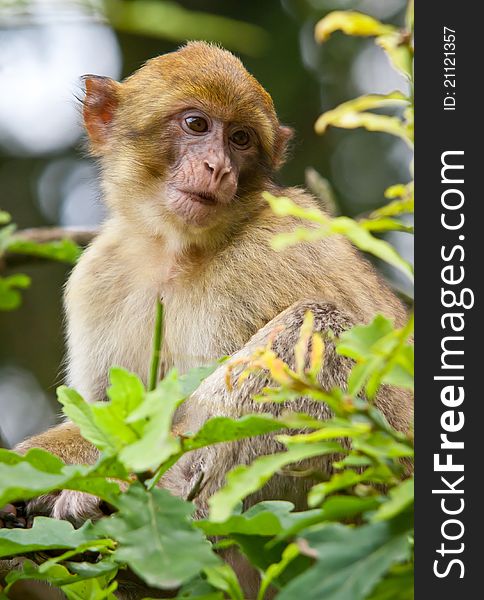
point(449, 400)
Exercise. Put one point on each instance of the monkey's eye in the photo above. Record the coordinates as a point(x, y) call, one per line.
point(197, 124)
point(240, 138)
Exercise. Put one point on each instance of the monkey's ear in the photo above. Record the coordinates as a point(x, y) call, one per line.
point(99, 106)
point(283, 137)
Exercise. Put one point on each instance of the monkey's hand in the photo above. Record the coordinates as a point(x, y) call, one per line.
point(66, 442)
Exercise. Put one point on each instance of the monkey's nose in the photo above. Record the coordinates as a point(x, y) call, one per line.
point(218, 168)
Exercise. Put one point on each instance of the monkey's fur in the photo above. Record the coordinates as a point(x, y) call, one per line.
point(224, 289)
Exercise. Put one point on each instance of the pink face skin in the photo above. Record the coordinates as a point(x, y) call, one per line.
point(210, 156)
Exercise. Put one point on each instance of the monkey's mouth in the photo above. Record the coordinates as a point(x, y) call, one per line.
point(196, 208)
point(205, 198)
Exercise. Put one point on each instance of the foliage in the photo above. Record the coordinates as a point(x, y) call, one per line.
point(363, 232)
point(61, 250)
point(151, 531)
point(354, 542)
point(161, 19)
point(359, 232)
point(171, 21)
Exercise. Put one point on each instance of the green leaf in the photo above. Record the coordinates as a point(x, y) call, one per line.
point(6, 232)
point(398, 190)
point(276, 569)
point(137, 426)
point(338, 481)
point(225, 429)
point(81, 413)
point(380, 445)
point(372, 101)
point(62, 250)
point(283, 207)
point(353, 230)
point(335, 508)
point(56, 575)
point(383, 355)
point(380, 474)
point(397, 207)
point(359, 341)
point(85, 570)
point(368, 243)
point(114, 427)
point(33, 474)
point(397, 585)
point(350, 23)
point(88, 570)
point(265, 518)
point(38, 472)
point(244, 480)
point(352, 460)
point(401, 497)
point(10, 297)
point(156, 538)
point(194, 377)
point(126, 393)
point(47, 534)
point(342, 508)
point(172, 21)
point(91, 589)
point(350, 561)
point(331, 429)
point(198, 589)
point(103, 423)
point(224, 578)
point(4, 217)
point(60, 576)
point(157, 442)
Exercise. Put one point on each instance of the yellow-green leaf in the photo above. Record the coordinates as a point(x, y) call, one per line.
point(398, 51)
point(403, 203)
point(385, 224)
point(368, 243)
point(4, 217)
point(350, 228)
point(351, 23)
point(352, 114)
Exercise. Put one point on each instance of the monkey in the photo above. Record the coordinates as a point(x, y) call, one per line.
point(186, 146)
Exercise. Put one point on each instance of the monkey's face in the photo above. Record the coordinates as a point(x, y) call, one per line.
point(211, 158)
point(185, 141)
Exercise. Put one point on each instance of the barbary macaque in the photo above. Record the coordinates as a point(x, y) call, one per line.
point(187, 145)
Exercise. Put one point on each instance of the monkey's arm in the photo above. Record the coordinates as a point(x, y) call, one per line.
point(213, 398)
point(66, 442)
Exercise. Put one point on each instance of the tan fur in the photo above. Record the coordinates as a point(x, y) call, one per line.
point(214, 300)
point(224, 289)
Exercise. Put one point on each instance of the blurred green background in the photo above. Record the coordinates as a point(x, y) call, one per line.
point(46, 178)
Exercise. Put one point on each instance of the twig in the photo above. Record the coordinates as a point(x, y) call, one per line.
point(80, 235)
point(156, 351)
point(196, 487)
